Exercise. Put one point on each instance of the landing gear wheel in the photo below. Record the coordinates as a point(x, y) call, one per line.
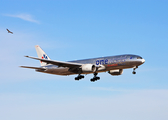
point(82, 76)
point(134, 68)
point(79, 77)
point(95, 78)
point(92, 80)
point(76, 78)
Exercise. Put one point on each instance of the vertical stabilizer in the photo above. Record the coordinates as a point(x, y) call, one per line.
point(41, 54)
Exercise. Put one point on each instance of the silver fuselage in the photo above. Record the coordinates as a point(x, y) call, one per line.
point(109, 63)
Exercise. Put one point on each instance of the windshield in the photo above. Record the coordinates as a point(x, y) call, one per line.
point(139, 57)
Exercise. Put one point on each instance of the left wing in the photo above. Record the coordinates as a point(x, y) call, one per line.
point(58, 63)
point(37, 68)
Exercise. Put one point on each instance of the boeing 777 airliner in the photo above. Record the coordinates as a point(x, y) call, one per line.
point(113, 64)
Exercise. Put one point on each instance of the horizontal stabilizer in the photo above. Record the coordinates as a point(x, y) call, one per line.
point(37, 68)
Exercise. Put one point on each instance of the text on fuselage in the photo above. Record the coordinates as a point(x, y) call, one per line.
point(102, 62)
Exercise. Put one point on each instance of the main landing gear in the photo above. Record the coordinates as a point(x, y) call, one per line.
point(79, 77)
point(134, 69)
point(95, 78)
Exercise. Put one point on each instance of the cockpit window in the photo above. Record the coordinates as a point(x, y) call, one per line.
point(139, 57)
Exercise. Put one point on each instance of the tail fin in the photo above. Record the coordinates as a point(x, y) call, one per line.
point(41, 54)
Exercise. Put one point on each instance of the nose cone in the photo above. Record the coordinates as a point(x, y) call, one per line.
point(143, 60)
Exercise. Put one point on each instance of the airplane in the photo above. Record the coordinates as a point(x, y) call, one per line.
point(113, 64)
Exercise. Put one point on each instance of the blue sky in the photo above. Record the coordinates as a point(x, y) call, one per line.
point(71, 30)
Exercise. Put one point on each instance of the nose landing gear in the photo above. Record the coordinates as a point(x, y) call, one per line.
point(134, 69)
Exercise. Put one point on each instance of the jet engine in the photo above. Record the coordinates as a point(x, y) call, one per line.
point(116, 72)
point(88, 68)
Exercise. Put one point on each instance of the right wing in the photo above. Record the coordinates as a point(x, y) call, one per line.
point(58, 63)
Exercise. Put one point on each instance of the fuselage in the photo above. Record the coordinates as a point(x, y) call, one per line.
point(108, 63)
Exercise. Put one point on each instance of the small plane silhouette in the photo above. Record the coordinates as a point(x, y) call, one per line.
point(9, 31)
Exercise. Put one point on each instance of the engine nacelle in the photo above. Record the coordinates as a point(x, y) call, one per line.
point(116, 72)
point(88, 68)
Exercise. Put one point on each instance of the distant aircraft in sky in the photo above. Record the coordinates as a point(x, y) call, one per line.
point(9, 31)
point(113, 64)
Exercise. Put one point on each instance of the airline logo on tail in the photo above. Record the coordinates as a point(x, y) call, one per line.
point(44, 56)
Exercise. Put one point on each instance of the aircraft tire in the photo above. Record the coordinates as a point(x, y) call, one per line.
point(76, 78)
point(92, 80)
point(82, 76)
